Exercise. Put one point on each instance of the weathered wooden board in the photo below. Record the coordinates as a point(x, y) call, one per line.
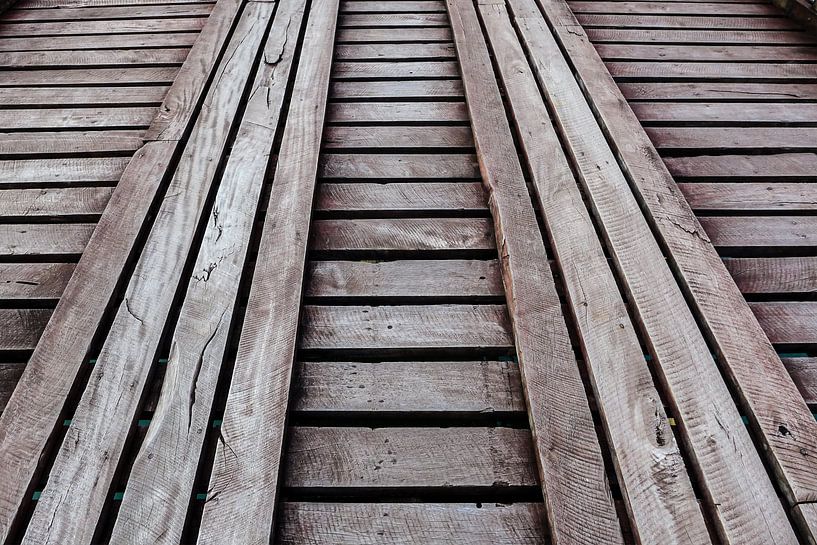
point(673, 8)
point(62, 202)
point(774, 275)
point(444, 524)
point(418, 198)
point(34, 281)
point(18, 97)
point(804, 373)
point(408, 235)
point(44, 239)
point(396, 137)
point(379, 20)
point(393, 112)
point(394, 52)
point(702, 35)
point(425, 387)
point(752, 197)
point(713, 90)
point(591, 20)
point(86, 76)
point(393, 35)
point(403, 279)
point(113, 27)
point(408, 457)
point(426, 89)
point(728, 113)
point(788, 322)
point(739, 139)
point(64, 170)
point(396, 6)
point(75, 118)
point(68, 142)
point(745, 167)
point(9, 376)
point(21, 328)
point(761, 231)
point(97, 41)
point(697, 53)
point(405, 327)
point(718, 71)
point(395, 166)
point(107, 12)
point(394, 70)
point(89, 58)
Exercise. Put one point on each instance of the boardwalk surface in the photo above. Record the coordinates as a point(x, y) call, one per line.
point(335, 272)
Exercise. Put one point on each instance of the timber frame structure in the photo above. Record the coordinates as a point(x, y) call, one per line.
point(340, 272)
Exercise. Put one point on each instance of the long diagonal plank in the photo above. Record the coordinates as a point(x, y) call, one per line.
point(658, 493)
point(568, 455)
point(160, 484)
point(736, 487)
point(242, 496)
point(768, 397)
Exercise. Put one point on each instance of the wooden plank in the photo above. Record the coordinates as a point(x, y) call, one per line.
point(75, 118)
point(34, 281)
point(242, 497)
point(400, 70)
point(63, 202)
point(67, 142)
point(444, 524)
point(734, 139)
point(393, 35)
point(711, 90)
point(403, 279)
point(379, 20)
point(52, 43)
point(34, 410)
point(590, 20)
point(43, 171)
point(107, 12)
point(461, 387)
point(721, 53)
point(21, 327)
point(754, 197)
point(92, 58)
point(397, 6)
point(86, 76)
point(719, 71)
point(721, 452)
point(704, 35)
point(395, 137)
point(395, 112)
point(788, 322)
point(408, 457)
point(361, 328)
point(395, 166)
point(167, 462)
point(412, 198)
point(805, 516)
point(764, 390)
point(804, 373)
point(38, 4)
point(674, 8)
point(394, 52)
point(43, 239)
point(114, 27)
point(778, 167)
point(9, 375)
point(661, 508)
point(761, 231)
point(150, 95)
point(774, 275)
point(407, 235)
point(427, 89)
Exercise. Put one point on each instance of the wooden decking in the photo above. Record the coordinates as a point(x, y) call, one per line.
point(407, 271)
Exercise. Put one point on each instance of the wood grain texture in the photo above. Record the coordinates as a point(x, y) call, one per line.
point(242, 495)
point(733, 140)
point(696, 53)
point(712, 90)
point(461, 387)
point(761, 231)
point(389, 166)
point(403, 278)
point(394, 52)
point(719, 71)
point(593, 20)
point(804, 373)
point(80, 118)
point(34, 281)
point(137, 95)
point(747, 167)
point(97, 41)
point(394, 70)
point(87, 13)
point(672, 8)
point(393, 35)
point(92, 58)
point(788, 322)
point(725, 113)
point(396, 137)
point(67, 142)
point(379, 20)
point(404, 89)
point(774, 275)
point(396, 112)
point(444, 524)
point(83, 76)
point(163, 473)
point(418, 198)
point(408, 457)
point(44, 171)
point(731, 474)
point(763, 388)
point(21, 328)
point(753, 197)
point(115, 27)
point(659, 497)
point(42, 239)
point(404, 327)
point(703, 35)
point(63, 202)
point(397, 6)
point(567, 453)
point(9, 375)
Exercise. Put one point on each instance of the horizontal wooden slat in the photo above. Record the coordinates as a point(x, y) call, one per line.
point(477, 387)
point(804, 373)
point(395, 6)
point(66, 202)
point(708, 139)
point(715, 112)
point(21, 328)
point(107, 169)
point(34, 281)
point(389, 35)
point(101, 27)
point(394, 51)
point(430, 234)
point(38, 143)
point(774, 275)
point(720, 71)
point(323, 523)
point(751, 196)
point(426, 166)
point(430, 89)
point(76, 118)
point(720, 53)
point(712, 90)
point(745, 167)
point(43, 239)
point(92, 58)
point(39, 4)
point(52, 43)
point(361, 328)
point(673, 8)
point(107, 12)
point(397, 112)
point(685, 21)
point(422, 278)
point(401, 70)
point(417, 198)
point(761, 231)
point(393, 20)
point(408, 457)
point(84, 76)
point(396, 137)
point(74, 96)
point(9, 376)
point(787, 322)
point(705, 35)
